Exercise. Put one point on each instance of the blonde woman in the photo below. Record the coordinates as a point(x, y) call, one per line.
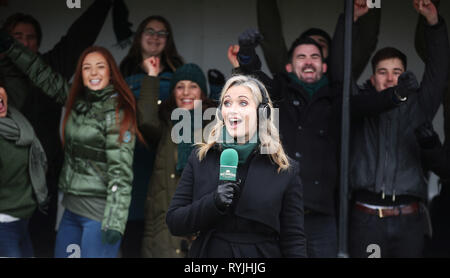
point(260, 217)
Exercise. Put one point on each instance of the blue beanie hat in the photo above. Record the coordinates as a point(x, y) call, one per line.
point(190, 72)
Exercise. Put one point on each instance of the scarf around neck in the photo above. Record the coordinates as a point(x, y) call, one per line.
point(243, 150)
point(15, 127)
point(311, 88)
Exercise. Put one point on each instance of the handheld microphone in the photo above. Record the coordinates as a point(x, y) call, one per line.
point(228, 165)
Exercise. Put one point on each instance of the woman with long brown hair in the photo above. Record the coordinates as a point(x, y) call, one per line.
point(99, 130)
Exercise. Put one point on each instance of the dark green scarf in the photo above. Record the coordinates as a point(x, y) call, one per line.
point(184, 149)
point(243, 150)
point(311, 88)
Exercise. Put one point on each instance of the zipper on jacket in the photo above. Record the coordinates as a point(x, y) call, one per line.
point(386, 150)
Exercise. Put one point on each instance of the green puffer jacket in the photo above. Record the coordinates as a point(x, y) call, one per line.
point(95, 163)
point(157, 242)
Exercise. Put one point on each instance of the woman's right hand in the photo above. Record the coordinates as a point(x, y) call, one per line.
point(224, 195)
point(151, 66)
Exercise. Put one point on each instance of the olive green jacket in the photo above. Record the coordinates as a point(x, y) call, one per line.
point(157, 241)
point(95, 162)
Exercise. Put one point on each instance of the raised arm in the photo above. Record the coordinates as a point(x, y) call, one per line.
point(365, 37)
point(435, 77)
point(82, 33)
point(147, 104)
point(40, 73)
point(419, 38)
point(273, 45)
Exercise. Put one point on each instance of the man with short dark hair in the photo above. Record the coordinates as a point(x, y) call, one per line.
point(25, 29)
point(274, 45)
point(386, 175)
point(310, 106)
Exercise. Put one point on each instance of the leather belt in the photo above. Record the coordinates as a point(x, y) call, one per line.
point(388, 211)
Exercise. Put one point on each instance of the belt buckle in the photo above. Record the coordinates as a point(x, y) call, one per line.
point(380, 212)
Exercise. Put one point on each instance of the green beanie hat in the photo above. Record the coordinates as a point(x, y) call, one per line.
point(190, 72)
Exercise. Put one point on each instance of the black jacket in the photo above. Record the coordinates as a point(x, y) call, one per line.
point(270, 205)
point(385, 156)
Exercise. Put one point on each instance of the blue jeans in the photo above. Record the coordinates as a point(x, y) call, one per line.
point(321, 235)
point(15, 240)
point(79, 236)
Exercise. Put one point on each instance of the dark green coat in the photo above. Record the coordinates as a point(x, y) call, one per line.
point(95, 163)
point(157, 241)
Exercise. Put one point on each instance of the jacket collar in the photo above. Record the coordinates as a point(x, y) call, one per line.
point(99, 95)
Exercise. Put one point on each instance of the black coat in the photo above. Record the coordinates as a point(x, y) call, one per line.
point(265, 221)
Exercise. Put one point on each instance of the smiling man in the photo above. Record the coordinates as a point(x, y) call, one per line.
point(386, 174)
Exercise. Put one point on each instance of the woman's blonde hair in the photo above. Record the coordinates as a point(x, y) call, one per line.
point(267, 132)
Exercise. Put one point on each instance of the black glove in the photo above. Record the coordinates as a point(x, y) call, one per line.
point(407, 84)
point(224, 195)
point(215, 77)
point(426, 136)
point(250, 38)
point(248, 41)
point(5, 41)
point(110, 236)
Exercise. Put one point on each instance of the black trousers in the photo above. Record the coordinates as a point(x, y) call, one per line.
point(321, 235)
point(390, 237)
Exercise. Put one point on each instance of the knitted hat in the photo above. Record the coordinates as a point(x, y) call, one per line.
point(190, 72)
